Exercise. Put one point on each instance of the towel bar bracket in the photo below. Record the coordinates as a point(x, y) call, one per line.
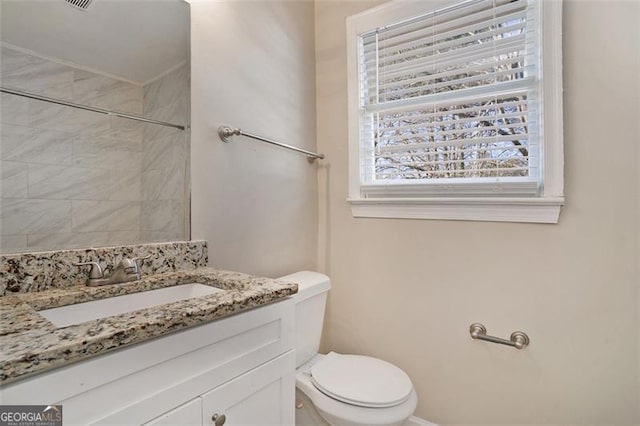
point(226, 133)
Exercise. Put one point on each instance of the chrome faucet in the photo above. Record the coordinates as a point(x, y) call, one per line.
point(127, 270)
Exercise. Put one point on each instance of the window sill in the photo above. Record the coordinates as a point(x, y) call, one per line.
point(528, 210)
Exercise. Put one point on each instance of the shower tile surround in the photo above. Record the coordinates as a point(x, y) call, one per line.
point(73, 178)
point(165, 156)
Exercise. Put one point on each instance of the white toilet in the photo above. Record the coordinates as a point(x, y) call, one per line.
point(341, 390)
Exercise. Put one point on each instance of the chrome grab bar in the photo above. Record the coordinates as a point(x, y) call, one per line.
point(226, 132)
point(518, 339)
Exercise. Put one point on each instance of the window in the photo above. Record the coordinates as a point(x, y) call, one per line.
point(455, 110)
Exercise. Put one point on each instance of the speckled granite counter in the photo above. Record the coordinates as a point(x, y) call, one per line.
point(31, 344)
point(40, 271)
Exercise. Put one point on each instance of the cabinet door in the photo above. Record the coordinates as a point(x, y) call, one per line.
point(263, 396)
point(188, 414)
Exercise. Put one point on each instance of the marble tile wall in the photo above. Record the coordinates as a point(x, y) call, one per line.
point(165, 156)
point(68, 177)
point(73, 178)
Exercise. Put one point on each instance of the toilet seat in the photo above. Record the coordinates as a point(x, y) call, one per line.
point(361, 380)
point(339, 413)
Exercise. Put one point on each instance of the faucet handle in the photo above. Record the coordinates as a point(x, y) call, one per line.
point(132, 264)
point(135, 259)
point(96, 270)
point(129, 265)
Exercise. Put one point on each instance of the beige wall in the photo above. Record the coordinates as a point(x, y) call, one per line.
point(407, 290)
point(253, 67)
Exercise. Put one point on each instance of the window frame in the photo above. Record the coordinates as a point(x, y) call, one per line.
point(504, 207)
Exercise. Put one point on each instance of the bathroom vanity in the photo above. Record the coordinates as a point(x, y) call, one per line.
point(222, 357)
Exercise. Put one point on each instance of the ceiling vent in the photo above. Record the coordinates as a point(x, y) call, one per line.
point(79, 4)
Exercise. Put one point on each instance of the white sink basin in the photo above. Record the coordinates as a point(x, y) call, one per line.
point(82, 312)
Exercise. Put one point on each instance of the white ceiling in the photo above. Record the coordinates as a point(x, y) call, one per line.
point(137, 40)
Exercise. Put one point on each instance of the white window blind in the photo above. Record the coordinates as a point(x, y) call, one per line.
point(449, 102)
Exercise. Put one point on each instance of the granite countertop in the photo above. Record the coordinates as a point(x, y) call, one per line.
point(31, 344)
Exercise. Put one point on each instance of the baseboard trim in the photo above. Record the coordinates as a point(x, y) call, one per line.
point(417, 421)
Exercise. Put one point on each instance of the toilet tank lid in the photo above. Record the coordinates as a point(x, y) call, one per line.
point(310, 283)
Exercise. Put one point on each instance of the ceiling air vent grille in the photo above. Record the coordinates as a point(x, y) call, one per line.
point(79, 4)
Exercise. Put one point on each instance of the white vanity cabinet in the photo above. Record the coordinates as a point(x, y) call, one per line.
point(242, 367)
point(262, 396)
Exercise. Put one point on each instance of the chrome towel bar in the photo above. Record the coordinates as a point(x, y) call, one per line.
point(226, 132)
point(518, 339)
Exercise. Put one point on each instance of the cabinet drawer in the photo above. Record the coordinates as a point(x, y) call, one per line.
point(263, 396)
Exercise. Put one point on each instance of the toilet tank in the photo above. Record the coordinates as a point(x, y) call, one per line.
point(310, 302)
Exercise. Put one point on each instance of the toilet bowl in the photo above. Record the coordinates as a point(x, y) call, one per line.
point(339, 389)
point(354, 399)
